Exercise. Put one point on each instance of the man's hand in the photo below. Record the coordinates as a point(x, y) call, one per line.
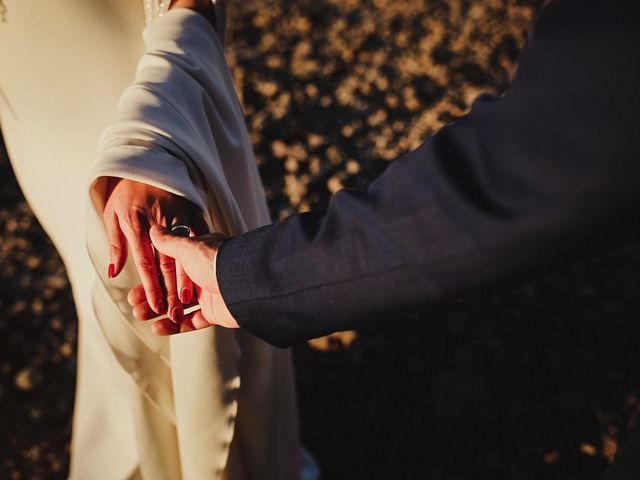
point(131, 208)
point(197, 256)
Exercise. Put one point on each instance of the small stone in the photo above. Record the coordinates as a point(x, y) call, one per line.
point(33, 262)
point(32, 453)
point(377, 118)
point(266, 88)
point(26, 379)
point(315, 140)
point(37, 306)
point(279, 148)
point(57, 282)
point(35, 413)
point(314, 165)
point(550, 458)
point(291, 165)
point(334, 184)
point(55, 323)
point(347, 131)
point(353, 167)
point(18, 307)
point(274, 61)
point(588, 449)
point(311, 90)
point(66, 350)
point(325, 101)
point(609, 447)
point(23, 380)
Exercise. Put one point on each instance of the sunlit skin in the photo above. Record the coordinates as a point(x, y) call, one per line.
point(197, 255)
point(133, 207)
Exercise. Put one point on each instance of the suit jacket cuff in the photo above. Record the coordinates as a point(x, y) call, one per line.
point(238, 268)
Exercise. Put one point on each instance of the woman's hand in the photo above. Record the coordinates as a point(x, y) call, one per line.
point(205, 8)
point(197, 255)
point(131, 209)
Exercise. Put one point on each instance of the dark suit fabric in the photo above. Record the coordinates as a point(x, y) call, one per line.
point(547, 170)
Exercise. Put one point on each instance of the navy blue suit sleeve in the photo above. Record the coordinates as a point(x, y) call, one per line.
point(544, 171)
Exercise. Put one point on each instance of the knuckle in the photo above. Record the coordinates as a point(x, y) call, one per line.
point(173, 298)
point(167, 265)
point(135, 223)
point(156, 211)
point(146, 265)
point(114, 249)
point(135, 219)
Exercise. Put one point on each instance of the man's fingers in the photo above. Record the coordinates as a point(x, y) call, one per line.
point(117, 244)
point(166, 243)
point(185, 286)
point(136, 232)
point(184, 283)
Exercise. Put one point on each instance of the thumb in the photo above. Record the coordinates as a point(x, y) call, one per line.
point(168, 244)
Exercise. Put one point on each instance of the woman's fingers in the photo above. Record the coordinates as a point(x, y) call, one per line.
point(185, 285)
point(193, 321)
point(186, 326)
point(168, 270)
point(117, 244)
point(136, 295)
point(136, 231)
point(131, 207)
point(165, 327)
point(143, 311)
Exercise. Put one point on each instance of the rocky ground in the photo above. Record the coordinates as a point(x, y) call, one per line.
point(534, 381)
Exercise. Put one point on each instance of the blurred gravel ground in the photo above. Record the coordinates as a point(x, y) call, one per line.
point(536, 381)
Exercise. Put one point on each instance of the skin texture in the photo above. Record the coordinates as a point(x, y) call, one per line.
point(131, 209)
point(197, 256)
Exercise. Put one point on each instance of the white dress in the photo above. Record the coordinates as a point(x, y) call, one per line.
point(209, 404)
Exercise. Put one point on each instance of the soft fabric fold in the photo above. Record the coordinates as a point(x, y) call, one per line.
point(180, 128)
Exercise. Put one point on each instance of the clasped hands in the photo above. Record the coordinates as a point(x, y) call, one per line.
point(180, 273)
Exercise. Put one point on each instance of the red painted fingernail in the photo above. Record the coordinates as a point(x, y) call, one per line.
point(176, 314)
point(160, 307)
point(185, 296)
point(112, 270)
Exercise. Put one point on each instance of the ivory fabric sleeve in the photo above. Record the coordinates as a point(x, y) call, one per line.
point(212, 403)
